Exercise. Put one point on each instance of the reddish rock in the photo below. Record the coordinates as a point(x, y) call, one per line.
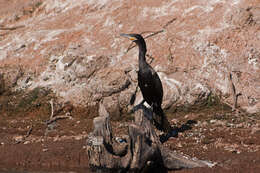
point(74, 48)
point(108, 81)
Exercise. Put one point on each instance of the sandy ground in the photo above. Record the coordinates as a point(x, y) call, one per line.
point(213, 133)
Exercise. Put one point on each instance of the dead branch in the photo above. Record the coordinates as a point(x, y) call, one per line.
point(26, 136)
point(52, 109)
point(169, 22)
point(55, 118)
point(153, 33)
point(131, 46)
point(233, 92)
point(29, 132)
point(142, 148)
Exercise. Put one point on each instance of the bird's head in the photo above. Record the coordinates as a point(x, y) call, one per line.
point(137, 38)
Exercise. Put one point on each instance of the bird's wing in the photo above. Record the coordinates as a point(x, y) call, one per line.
point(151, 86)
point(158, 85)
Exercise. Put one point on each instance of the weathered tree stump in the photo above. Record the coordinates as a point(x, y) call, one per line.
point(142, 148)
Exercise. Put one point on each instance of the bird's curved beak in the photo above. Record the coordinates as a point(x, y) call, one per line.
point(128, 36)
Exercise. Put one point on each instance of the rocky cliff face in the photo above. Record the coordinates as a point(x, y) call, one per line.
point(73, 47)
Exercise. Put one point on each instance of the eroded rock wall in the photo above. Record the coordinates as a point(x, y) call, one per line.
point(73, 47)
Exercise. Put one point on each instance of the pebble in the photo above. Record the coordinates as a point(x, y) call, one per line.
point(45, 149)
point(204, 124)
point(236, 151)
point(240, 125)
point(78, 138)
point(174, 121)
point(191, 116)
point(56, 138)
point(255, 130)
point(18, 138)
point(179, 145)
point(220, 123)
point(229, 125)
point(205, 147)
point(212, 121)
point(26, 142)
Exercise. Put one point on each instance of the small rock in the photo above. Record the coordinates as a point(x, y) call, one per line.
point(179, 145)
point(220, 123)
point(240, 125)
point(205, 147)
point(26, 142)
point(56, 138)
point(249, 124)
point(229, 125)
point(174, 121)
point(45, 149)
point(2, 143)
point(236, 151)
point(204, 124)
point(255, 130)
point(78, 138)
point(45, 78)
point(212, 121)
point(191, 116)
point(18, 138)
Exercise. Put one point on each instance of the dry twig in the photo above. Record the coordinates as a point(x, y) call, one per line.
point(55, 118)
point(153, 33)
point(131, 46)
point(29, 132)
point(26, 136)
point(169, 22)
point(233, 92)
point(52, 109)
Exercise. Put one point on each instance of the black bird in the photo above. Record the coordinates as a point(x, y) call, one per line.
point(149, 83)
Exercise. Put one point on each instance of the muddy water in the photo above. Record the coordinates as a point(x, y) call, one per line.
point(3, 170)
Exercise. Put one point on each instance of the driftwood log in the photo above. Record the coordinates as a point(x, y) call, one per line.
point(140, 151)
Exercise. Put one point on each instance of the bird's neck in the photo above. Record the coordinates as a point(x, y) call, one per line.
point(142, 53)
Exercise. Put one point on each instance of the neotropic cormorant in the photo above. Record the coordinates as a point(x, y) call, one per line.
point(149, 82)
